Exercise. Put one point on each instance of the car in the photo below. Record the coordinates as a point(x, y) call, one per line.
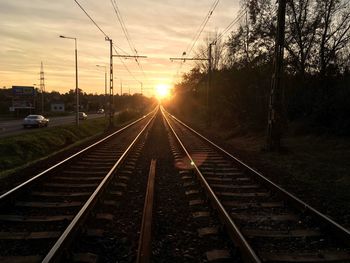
point(82, 116)
point(35, 121)
point(100, 111)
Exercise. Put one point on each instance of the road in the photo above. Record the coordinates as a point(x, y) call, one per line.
point(12, 127)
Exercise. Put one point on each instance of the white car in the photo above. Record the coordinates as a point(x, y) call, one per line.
point(35, 121)
point(82, 115)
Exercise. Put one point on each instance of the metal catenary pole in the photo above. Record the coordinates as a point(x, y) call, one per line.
point(111, 103)
point(209, 59)
point(111, 112)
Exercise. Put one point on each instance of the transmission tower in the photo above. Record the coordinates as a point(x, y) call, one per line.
point(42, 86)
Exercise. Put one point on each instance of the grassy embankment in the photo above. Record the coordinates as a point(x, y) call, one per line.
point(313, 167)
point(19, 151)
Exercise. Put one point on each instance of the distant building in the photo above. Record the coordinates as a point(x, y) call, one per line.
point(23, 98)
point(57, 107)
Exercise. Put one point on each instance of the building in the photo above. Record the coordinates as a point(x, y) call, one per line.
point(57, 107)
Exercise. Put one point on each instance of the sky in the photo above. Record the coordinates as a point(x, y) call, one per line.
point(159, 29)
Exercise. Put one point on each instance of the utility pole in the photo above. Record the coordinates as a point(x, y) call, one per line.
point(111, 112)
point(276, 110)
point(121, 87)
point(42, 86)
point(111, 104)
point(210, 62)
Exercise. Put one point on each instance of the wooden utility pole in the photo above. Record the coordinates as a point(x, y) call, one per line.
point(276, 105)
point(111, 103)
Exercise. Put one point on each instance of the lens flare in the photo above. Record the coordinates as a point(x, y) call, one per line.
point(162, 91)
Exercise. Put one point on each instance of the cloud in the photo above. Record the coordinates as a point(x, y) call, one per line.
point(158, 28)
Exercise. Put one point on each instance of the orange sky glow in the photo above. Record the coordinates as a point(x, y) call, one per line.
point(159, 29)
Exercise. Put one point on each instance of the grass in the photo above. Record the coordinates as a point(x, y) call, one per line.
point(313, 167)
point(19, 151)
point(16, 151)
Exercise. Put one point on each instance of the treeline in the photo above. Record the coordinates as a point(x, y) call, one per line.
point(88, 102)
point(317, 68)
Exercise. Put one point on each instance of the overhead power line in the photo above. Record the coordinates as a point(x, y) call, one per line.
point(122, 24)
point(115, 47)
point(233, 22)
point(93, 21)
point(195, 38)
point(126, 33)
point(202, 26)
point(125, 66)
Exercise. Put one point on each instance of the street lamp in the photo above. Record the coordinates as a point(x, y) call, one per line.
point(105, 84)
point(76, 78)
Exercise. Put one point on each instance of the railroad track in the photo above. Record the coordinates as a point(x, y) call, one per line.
point(266, 223)
point(41, 218)
point(94, 206)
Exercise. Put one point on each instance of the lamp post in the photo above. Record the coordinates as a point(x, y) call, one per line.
point(105, 107)
point(76, 78)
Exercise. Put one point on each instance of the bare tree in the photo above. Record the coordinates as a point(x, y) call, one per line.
point(301, 30)
point(252, 43)
point(334, 32)
point(217, 54)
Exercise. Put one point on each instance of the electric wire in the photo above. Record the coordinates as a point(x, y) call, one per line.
point(93, 21)
point(195, 38)
point(115, 47)
point(235, 21)
point(122, 24)
point(126, 34)
point(125, 66)
point(232, 23)
point(201, 28)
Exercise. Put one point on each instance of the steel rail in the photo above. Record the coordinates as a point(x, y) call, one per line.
point(64, 240)
point(235, 234)
point(336, 228)
point(14, 190)
point(144, 251)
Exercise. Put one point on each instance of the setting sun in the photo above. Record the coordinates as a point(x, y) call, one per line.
point(162, 91)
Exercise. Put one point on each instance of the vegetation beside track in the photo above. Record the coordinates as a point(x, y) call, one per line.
point(313, 167)
point(19, 151)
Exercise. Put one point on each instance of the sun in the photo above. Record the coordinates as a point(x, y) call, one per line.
point(162, 91)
